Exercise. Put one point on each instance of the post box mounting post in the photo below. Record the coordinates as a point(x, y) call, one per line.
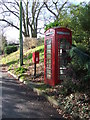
point(35, 61)
point(34, 69)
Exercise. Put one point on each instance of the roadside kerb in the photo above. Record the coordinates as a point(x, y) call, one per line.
point(35, 89)
point(13, 75)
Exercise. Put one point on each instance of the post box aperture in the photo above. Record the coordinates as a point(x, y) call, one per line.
point(57, 44)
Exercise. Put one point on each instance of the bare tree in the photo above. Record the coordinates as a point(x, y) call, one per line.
point(55, 7)
point(9, 13)
point(32, 9)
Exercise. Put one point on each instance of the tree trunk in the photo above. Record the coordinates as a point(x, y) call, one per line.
point(27, 20)
point(34, 33)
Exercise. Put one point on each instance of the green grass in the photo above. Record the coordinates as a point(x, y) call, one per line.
point(10, 59)
point(13, 58)
point(20, 70)
point(39, 48)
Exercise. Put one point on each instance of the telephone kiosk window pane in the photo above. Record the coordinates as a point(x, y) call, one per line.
point(49, 61)
point(62, 43)
point(48, 76)
point(48, 51)
point(48, 46)
point(67, 45)
point(63, 48)
point(48, 58)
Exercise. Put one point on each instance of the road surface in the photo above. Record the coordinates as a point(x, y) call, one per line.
point(19, 102)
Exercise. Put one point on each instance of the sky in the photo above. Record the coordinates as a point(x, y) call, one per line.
point(13, 35)
point(78, 1)
point(81, 1)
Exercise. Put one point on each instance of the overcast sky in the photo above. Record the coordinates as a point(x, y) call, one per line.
point(13, 35)
point(78, 1)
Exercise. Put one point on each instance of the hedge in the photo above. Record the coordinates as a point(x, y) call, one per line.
point(10, 49)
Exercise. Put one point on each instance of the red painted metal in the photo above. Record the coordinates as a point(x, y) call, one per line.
point(52, 60)
point(35, 57)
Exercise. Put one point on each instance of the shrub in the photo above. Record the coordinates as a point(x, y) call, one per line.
point(10, 49)
point(80, 59)
point(30, 56)
point(20, 70)
point(52, 24)
point(78, 72)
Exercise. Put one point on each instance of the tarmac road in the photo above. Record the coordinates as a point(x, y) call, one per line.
point(18, 102)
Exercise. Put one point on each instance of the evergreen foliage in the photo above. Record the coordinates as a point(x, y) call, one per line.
point(80, 65)
point(52, 24)
point(10, 49)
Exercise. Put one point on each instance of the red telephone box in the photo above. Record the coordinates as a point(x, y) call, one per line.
point(56, 46)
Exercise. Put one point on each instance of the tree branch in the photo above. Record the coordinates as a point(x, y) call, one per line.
point(11, 24)
point(63, 5)
point(50, 10)
point(10, 10)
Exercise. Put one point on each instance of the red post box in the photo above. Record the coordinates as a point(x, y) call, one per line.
point(35, 57)
point(56, 46)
